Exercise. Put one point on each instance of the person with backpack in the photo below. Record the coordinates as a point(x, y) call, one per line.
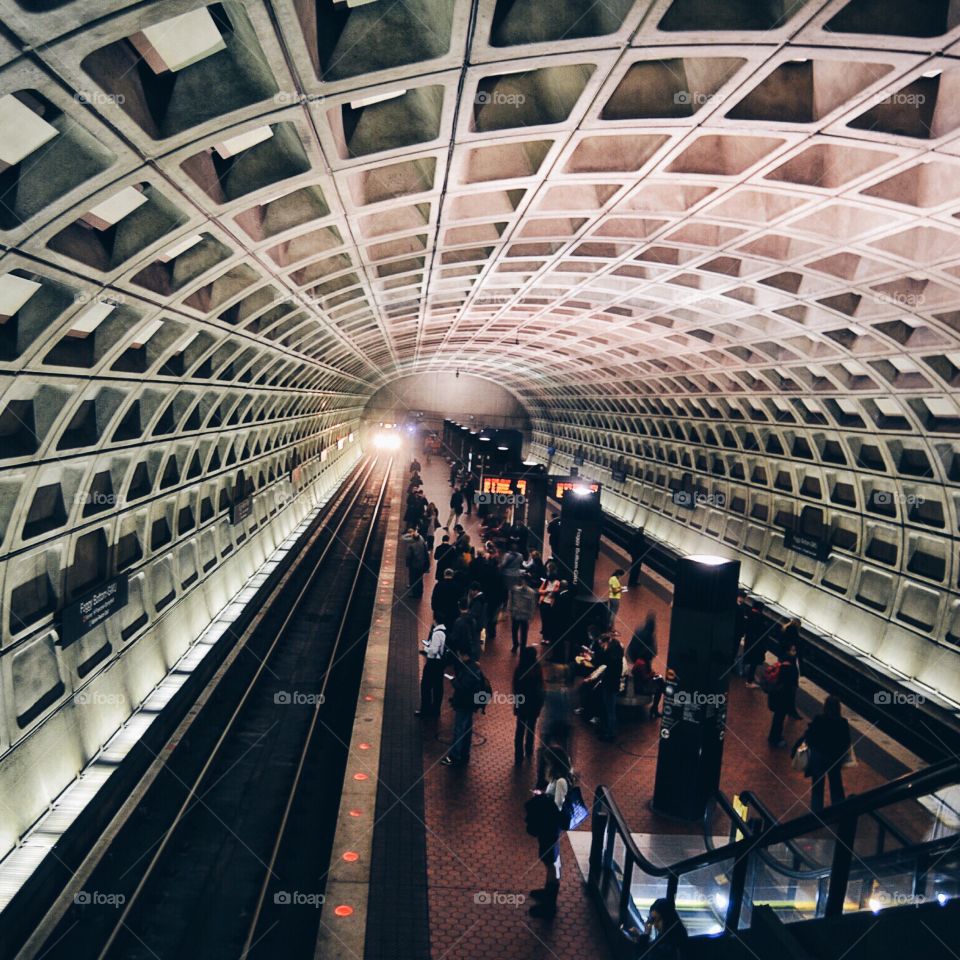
point(828, 743)
point(560, 779)
point(431, 682)
point(780, 683)
point(528, 702)
point(468, 697)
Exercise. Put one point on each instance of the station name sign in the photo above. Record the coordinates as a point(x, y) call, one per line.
point(813, 547)
point(90, 611)
point(241, 510)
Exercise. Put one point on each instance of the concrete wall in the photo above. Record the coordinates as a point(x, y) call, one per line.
point(41, 760)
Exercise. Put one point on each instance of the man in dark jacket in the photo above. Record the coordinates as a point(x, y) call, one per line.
point(782, 696)
point(638, 550)
point(469, 489)
point(445, 599)
point(611, 656)
point(445, 556)
point(456, 507)
point(417, 560)
point(828, 739)
point(460, 638)
point(467, 684)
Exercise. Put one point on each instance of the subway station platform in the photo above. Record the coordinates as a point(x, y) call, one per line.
point(452, 864)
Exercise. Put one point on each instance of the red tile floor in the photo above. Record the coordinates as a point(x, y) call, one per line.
point(480, 859)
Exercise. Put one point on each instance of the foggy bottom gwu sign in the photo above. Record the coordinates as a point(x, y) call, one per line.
point(93, 609)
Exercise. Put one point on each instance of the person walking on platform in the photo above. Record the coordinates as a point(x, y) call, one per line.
point(467, 683)
point(445, 598)
point(614, 593)
point(417, 561)
point(454, 470)
point(528, 702)
point(431, 682)
point(637, 548)
point(828, 739)
point(456, 507)
point(560, 779)
point(522, 606)
point(781, 686)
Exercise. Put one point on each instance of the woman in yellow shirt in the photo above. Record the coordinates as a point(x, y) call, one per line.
point(613, 597)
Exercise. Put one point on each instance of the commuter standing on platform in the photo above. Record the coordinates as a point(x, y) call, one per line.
point(549, 588)
point(461, 637)
point(454, 470)
point(522, 605)
point(431, 683)
point(755, 645)
point(445, 556)
point(782, 695)
point(469, 490)
point(467, 683)
point(559, 780)
point(614, 592)
point(416, 561)
point(611, 657)
point(528, 702)
point(828, 740)
point(429, 526)
point(445, 598)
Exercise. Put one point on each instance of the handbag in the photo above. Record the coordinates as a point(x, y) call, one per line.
point(850, 760)
point(801, 759)
point(574, 810)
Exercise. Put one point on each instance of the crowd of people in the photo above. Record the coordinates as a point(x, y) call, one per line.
point(559, 674)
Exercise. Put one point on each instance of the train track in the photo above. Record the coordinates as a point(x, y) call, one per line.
point(226, 855)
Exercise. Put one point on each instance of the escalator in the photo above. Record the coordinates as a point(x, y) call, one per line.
point(754, 887)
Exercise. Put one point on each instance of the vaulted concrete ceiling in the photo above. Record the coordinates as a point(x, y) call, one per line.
point(635, 215)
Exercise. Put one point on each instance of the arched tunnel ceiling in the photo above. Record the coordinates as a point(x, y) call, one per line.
point(632, 214)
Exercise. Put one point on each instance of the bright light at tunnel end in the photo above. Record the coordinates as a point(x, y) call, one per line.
point(387, 440)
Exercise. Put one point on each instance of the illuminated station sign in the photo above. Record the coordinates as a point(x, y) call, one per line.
point(562, 486)
point(503, 485)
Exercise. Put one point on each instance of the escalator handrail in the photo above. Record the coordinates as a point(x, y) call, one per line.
point(867, 866)
point(751, 799)
point(916, 784)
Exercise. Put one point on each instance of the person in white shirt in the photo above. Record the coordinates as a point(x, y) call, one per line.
point(431, 683)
